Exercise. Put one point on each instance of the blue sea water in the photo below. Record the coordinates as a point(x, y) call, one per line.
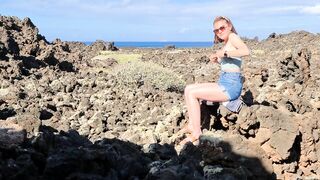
point(158, 44)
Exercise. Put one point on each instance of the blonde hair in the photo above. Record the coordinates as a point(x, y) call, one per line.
point(219, 18)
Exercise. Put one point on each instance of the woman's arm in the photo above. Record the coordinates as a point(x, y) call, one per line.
point(241, 48)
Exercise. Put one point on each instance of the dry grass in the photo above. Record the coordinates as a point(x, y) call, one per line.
point(138, 73)
point(119, 56)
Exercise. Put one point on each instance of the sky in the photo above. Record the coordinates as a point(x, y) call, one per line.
point(162, 20)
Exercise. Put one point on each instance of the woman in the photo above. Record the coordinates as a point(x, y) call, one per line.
point(229, 85)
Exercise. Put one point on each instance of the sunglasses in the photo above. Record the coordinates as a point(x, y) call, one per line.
point(222, 28)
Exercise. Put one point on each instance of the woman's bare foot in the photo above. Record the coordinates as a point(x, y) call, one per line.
point(189, 138)
point(184, 130)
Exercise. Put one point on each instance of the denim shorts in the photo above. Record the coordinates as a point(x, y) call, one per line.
point(231, 84)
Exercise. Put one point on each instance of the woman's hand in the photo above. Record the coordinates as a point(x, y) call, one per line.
point(220, 53)
point(214, 58)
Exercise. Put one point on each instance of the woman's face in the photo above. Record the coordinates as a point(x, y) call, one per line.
point(222, 29)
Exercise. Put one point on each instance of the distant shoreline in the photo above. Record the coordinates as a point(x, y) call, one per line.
point(160, 44)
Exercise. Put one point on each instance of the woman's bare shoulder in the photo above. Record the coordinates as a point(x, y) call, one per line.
point(233, 35)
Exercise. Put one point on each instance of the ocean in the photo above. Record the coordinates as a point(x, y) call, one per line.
point(158, 44)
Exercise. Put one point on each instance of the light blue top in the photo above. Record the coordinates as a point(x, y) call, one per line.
point(230, 63)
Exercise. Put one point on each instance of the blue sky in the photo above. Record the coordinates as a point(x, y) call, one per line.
point(162, 20)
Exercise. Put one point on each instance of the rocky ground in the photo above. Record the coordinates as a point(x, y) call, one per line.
point(73, 111)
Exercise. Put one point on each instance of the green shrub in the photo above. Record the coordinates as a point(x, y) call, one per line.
point(138, 73)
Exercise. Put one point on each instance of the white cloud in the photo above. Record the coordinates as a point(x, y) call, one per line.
point(291, 9)
point(277, 9)
point(184, 30)
point(311, 9)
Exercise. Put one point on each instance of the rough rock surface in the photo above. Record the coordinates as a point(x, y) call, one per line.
point(63, 111)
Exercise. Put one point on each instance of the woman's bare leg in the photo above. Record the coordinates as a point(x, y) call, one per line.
point(205, 91)
point(187, 92)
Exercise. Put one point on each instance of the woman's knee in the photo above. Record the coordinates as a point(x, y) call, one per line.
point(188, 89)
point(190, 92)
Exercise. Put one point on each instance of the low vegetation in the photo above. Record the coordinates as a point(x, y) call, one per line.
point(120, 57)
point(138, 73)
